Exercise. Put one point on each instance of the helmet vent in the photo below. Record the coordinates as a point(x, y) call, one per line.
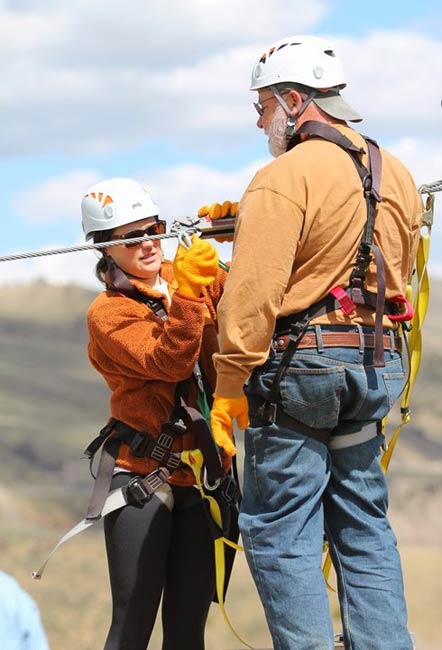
point(329, 52)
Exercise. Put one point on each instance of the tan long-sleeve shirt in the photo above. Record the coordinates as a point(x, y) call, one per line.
point(299, 227)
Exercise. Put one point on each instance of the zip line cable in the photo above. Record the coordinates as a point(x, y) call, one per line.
point(205, 228)
point(179, 228)
point(84, 247)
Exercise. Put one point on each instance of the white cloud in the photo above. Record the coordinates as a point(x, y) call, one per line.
point(83, 78)
point(423, 158)
point(56, 200)
point(145, 34)
point(394, 80)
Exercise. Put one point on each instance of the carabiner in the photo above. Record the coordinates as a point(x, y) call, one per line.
point(185, 240)
point(211, 486)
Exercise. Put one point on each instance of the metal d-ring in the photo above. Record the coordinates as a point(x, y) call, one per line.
point(211, 486)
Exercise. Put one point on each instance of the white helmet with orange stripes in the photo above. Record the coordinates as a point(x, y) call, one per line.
point(115, 202)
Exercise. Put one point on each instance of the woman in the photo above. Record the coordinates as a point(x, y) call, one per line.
point(150, 328)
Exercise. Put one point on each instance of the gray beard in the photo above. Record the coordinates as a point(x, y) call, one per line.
point(276, 133)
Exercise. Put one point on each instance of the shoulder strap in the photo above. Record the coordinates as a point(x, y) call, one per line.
point(371, 183)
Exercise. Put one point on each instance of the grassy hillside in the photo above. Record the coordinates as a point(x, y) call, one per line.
point(52, 403)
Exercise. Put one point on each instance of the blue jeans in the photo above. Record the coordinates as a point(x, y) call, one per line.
point(295, 488)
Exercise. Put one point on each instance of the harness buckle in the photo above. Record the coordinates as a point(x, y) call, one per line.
point(297, 330)
point(230, 490)
point(176, 427)
point(137, 491)
point(346, 303)
point(267, 411)
point(140, 444)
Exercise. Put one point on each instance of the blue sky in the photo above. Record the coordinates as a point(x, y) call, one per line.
point(160, 93)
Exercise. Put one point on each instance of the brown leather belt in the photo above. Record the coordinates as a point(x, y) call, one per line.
point(336, 340)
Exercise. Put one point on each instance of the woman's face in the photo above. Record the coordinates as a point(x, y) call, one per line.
point(141, 261)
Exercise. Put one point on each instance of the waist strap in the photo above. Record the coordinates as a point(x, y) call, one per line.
point(337, 340)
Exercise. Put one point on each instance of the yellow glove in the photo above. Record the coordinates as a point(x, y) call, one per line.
point(219, 210)
point(224, 410)
point(195, 267)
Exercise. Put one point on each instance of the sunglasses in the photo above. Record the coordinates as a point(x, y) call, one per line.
point(157, 228)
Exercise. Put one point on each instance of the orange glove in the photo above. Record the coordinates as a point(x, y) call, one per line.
point(195, 267)
point(219, 211)
point(224, 410)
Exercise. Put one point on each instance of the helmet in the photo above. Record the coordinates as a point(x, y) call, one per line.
point(113, 203)
point(306, 60)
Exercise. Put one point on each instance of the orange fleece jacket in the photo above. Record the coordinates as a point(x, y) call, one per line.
point(142, 358)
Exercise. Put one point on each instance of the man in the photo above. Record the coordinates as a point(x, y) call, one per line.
point(324, 245)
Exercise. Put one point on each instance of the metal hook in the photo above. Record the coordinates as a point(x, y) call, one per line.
point(211, 486)
point(185, 240)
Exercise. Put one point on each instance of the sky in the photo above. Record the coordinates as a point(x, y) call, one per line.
point(158, 92)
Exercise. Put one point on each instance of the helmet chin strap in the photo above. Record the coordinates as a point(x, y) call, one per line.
point(291, 135)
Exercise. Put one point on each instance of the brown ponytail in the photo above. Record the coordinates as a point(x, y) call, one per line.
point(101, 236)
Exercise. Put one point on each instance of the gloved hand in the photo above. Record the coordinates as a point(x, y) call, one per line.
point(195, 267)
point(224, 410)
point(219, 210)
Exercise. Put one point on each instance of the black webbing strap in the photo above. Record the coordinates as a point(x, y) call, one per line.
point(277, 416)
point(205, 443)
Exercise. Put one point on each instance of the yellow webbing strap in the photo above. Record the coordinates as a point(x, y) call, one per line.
point(420, 306)
point(194, 459)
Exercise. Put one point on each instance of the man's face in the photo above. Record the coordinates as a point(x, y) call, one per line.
point(273, 119)
point(266, 106)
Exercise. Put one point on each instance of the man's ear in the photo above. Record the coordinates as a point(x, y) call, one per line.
point(295, 102)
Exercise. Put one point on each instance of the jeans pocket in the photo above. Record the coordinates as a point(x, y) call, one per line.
point(394, 384)
point(312, 395)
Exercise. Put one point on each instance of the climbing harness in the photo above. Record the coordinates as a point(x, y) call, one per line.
point(205, 227)
point(290, 331)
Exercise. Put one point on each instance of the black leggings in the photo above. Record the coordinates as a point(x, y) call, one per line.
point(152, 552)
